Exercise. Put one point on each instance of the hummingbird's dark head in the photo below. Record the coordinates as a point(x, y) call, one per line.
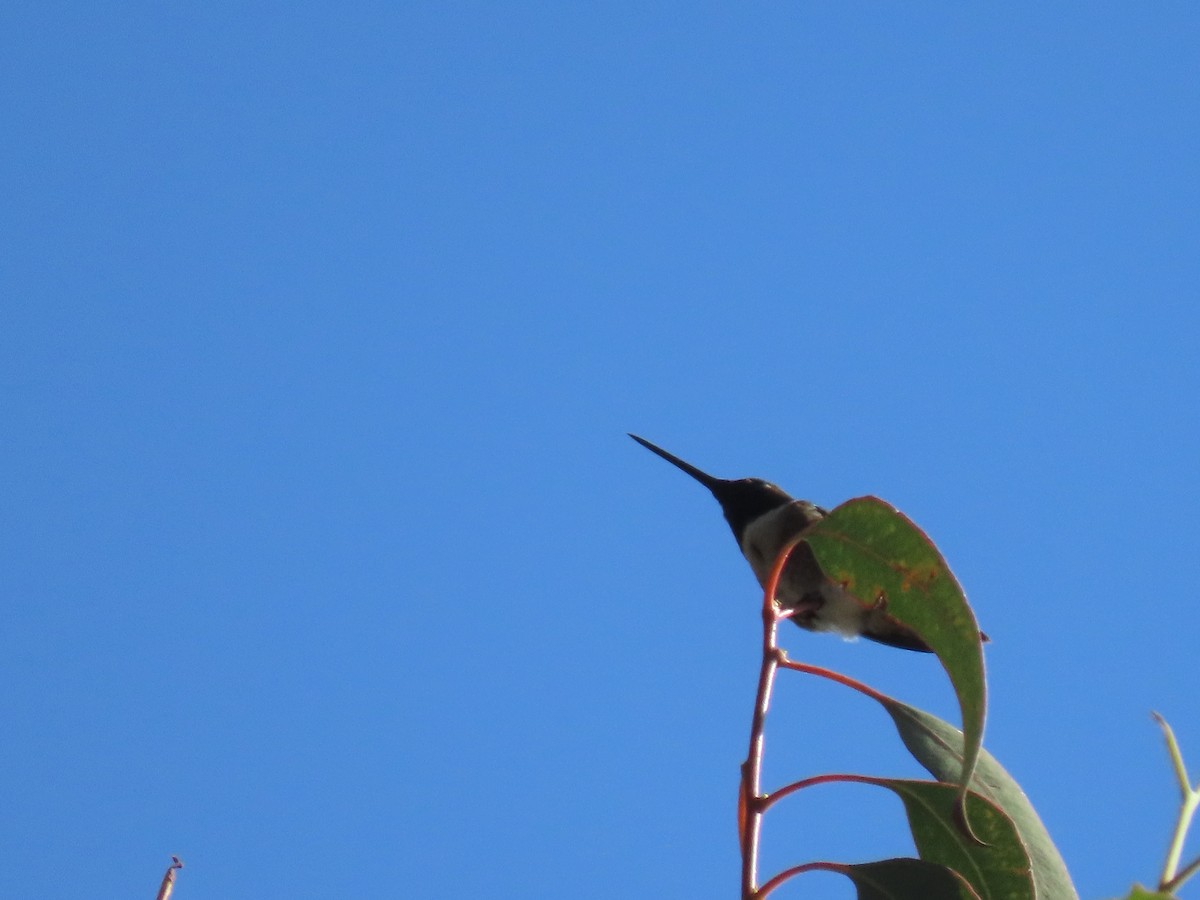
point(745, 499)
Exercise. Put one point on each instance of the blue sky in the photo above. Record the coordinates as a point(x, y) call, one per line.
point(326, 562)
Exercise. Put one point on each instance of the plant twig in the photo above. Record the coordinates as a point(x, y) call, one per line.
point(1172, 878)
point(833, 778)
point(1185, 873)
point(837, 677)
point(168, 882)
point(752, 802)
point(796, 870)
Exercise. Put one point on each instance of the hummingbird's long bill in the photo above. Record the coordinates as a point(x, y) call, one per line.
point(703, 477)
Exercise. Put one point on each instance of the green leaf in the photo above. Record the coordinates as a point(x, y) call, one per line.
point(907, 879)
point(885, 561)
point(937, 744)
point(999, 868)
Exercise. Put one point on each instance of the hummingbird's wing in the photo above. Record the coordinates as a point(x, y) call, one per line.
point(894, 634)
point(883, 629)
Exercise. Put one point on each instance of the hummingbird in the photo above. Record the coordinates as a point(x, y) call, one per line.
point(764, 518)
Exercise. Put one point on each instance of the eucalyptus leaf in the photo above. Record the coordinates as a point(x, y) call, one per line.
point(937, 745)
point(998, 869)
point(882, 559)
point(908, 879)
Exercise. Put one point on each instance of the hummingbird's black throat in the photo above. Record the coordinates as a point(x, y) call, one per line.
point(745, 500)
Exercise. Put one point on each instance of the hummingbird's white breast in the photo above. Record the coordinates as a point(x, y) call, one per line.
point(822, 605)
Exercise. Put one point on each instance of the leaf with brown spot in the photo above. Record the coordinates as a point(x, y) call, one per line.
point(872, 549)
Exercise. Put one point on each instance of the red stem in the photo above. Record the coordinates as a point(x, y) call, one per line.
point(836, 778)
point(754, 803)
point(839, 678)
point(752, 800)
point(796, 870)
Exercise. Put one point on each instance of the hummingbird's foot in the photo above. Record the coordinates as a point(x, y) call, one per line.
point(804, 612)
